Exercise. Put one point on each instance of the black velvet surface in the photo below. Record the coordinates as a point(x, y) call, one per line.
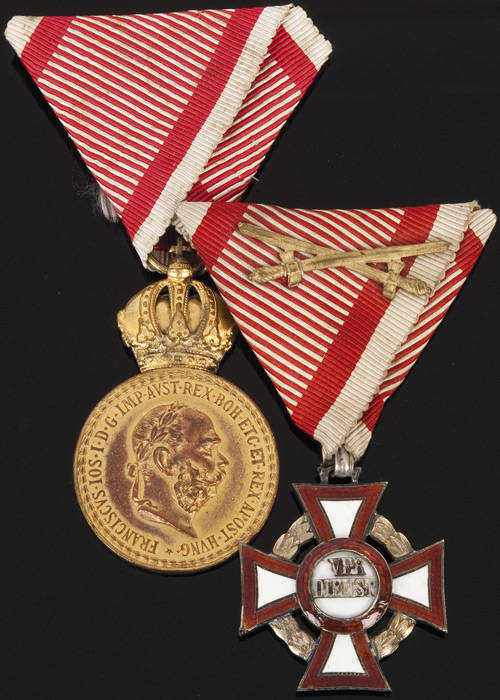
point(406, 112)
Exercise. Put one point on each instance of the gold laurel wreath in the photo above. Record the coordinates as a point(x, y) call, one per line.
point(301, 642)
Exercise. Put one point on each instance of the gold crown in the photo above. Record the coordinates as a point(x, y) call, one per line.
point(177, 322)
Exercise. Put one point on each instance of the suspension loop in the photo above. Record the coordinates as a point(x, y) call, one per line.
point(341, 465)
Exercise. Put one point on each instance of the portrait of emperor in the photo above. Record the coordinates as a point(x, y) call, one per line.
point(177, 465)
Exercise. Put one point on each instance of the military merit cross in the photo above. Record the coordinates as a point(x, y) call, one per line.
point(356, 261)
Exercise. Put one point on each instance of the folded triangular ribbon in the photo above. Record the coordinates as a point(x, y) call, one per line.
point(338, 343)
point(165, 105)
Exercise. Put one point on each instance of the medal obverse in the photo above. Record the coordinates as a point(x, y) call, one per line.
point(176, 466)
point(343, 587)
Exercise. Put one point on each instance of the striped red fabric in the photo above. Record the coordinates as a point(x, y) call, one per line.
point(334, 346)
point(168, 106)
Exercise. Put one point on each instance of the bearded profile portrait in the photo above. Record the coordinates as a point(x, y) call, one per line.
point(177, 467)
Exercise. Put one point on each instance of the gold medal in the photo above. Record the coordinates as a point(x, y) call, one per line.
point(176, 466)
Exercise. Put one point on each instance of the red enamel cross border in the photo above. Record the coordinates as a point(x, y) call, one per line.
point(343, 587)
point(422, 571)
point(257, 569)
point(347, 514)
point(318, 675)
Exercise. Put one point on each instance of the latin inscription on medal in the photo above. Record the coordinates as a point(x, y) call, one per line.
point(174, 468)
point(344, 585)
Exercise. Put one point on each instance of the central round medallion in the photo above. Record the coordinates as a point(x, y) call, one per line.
point(344, 585)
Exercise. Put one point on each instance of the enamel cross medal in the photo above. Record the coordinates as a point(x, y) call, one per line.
point(337, 306)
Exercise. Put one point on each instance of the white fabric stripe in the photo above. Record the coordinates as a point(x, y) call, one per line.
point(257, 91)
point(387, 212)
point(358, 439)
point(175, 19)
point(242, 177)
point(285, 292)
point(299, 362)
point(250, 146)
point(96, 156)
point(331, 286)
point(287, 399)
point(482, 222)
point(277, 358)
point(306, 340)
point(400, 316)
point(289, 330)
point(245, 128)
point(104, 175)
point(261, 107)
point(19, 30)
point(156, 18)
point(197, 58)
point(62, 62)
point(109, 131)
point(305, 34)
point(108, 170)
point(131, 44)
point(108, 115)
point(243, 141)
point(222, 13)
point(137, 88)
point(312, 229)
point(168, 30)
point(246, 166)
point(189, 217)
point(265, 258)
point(211, 132)
point(107, 147)
point(338, 216)
point(134, 77)
point(365, 216)
point(131, 113)
point(334, 219)
point(111, 193)
point(259, 213)
point(268, 352)
point(414, 339)
point(261, 135)
point(222, 271)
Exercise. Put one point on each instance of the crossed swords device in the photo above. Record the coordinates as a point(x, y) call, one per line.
point(358, 261)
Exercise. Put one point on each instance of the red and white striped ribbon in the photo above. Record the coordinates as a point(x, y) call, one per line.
point(167, 106)
point(184, 106)
point(334, 346)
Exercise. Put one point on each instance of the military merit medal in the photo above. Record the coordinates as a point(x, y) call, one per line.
point(176, 469)
point(338, 305)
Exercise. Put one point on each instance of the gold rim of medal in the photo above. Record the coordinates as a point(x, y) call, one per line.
point(176, 466)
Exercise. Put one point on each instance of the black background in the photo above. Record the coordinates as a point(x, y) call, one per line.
point(406, 112)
